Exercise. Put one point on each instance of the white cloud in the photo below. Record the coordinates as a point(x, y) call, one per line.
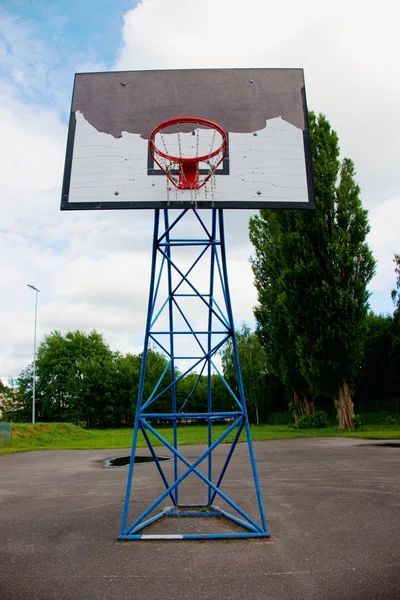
point(92, 269)
point(384, 239)
point(349, 55)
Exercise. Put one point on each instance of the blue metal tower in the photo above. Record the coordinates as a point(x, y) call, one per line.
point(170, 317)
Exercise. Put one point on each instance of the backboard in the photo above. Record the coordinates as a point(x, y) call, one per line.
point(267, 163)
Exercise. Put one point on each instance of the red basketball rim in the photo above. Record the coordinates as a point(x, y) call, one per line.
point(195, 120)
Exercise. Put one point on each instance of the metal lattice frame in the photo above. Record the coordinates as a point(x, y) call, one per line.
point(220, 324)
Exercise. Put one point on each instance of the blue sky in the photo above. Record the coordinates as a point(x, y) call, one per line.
point(92, 269)
point(73, 29)
point(68, 36)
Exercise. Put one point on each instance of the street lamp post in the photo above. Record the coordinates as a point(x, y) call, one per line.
point(34, 354)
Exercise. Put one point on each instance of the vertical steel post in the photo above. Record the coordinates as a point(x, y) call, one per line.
point(209, 345)
point(171, 344)
point(150, 310)
point(238, 371)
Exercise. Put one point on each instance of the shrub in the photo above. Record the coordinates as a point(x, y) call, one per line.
point(357, 421)
point(305, 422)
point(317, 421)
point(392, 420)
point(321, 419)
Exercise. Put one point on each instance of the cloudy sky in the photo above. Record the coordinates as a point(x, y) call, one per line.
point(92, 270)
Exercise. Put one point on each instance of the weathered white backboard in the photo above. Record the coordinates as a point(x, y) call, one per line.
point(263, 111)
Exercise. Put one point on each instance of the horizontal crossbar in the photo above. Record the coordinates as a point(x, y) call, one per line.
point(189, 332)
point(194, 536)
point(179, 415)
point(192, 511)
point(190, 243)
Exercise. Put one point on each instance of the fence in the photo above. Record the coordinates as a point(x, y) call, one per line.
point(372, 412)
point(379, 412)
point(5, 433)
point(279, 418)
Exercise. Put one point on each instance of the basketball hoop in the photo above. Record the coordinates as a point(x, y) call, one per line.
point(193, 151)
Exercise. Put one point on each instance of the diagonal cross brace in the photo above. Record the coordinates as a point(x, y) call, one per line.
point(184, 475)
point(192, 468)
point(184, 278)
point(173, 384)
point(155, 458)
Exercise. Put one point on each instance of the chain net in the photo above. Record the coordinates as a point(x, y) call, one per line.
point(189, 153)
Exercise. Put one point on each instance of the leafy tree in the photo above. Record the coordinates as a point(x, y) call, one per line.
point(80, 380)
point(121, 395)
point(271, 270)
point(221, 398)
point(254, 372)
point(156, 366)
point(5, 392)
point(394, 356)
point(73, 377)
point(318, 273)
point(192, 391)
point(375, 380)
point(13, 406)
point(396, 291)
point(19, 406)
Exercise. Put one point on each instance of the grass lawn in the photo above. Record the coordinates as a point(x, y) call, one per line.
point(64, 436)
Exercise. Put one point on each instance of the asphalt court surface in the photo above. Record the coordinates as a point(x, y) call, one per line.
point(333, 509)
